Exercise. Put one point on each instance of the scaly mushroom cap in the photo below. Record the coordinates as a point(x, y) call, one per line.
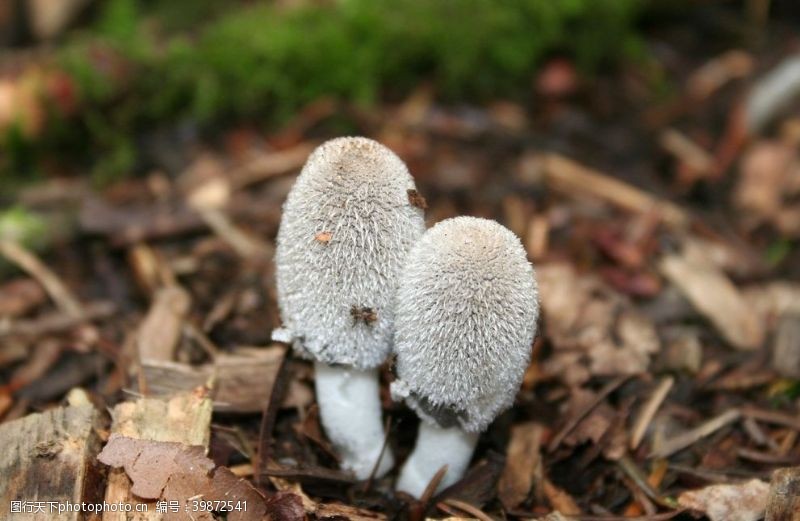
point(467, 307)
point(347, 226)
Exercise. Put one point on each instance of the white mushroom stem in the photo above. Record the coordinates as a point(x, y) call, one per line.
point(435, 448)
point(350, 410)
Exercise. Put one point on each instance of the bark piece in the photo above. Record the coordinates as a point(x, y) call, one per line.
point(783, 503)
point(161, 329)
point(185, 418)
point(240, 381)
point(50, 458)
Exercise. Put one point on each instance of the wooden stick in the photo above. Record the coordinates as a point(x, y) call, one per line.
point(649, 410)
point(27, 261)
point(686, 439)
point(570, 177)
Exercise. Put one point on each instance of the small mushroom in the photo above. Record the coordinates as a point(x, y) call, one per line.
point(467, 307)
point(346, 229)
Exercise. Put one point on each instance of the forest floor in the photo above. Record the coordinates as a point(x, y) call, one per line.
point(665, 380)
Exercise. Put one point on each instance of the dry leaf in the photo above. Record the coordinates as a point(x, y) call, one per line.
point(740, 502)
point(174, 471)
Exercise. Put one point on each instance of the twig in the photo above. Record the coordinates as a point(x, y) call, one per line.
point(686, 439)
point(30, 263)
point(469, 509)
point(649, 410)
point(246, 246)
point(55, 322)
point(266, 166)
point(609, 388)
point(777, 418)
point(570, 177)
point(632, 471)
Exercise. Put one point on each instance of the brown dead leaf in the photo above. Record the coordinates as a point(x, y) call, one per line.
point(174, 471)
point(740, 502)
point(586, 319)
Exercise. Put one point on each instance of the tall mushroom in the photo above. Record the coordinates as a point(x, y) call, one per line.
point(467, 307)
point(347, 226)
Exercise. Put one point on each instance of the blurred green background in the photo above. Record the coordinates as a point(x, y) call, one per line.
point(121, 68)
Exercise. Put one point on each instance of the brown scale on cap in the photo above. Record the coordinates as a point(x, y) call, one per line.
point(365, 314)
point(416, 199)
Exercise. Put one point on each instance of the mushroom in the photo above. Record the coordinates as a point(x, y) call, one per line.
point(347, 226)
point(465, 321)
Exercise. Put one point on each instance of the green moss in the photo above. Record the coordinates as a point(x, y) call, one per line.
point(143, 65)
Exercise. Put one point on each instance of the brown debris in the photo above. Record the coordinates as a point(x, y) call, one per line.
point(416, 199)
point(570, 177)
point(19, 296)
point(523, 458)
point(177, 472)
point(585, 318)
point(560, 500)
point(741, 502)
point(161, 329)
point(240, 381)
point(51, 457)
point(783, 503)
point(715, 296)
point(769, 182)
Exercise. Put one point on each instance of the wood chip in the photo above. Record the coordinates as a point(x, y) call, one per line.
point(522, 458)
point(50, 458)
point(161, 329)
point(240, 381)
point(184, 418)
point(715, 297)
point(783, 503)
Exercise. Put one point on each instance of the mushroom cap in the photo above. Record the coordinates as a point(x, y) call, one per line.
point(347, 226)
point(467, 307)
